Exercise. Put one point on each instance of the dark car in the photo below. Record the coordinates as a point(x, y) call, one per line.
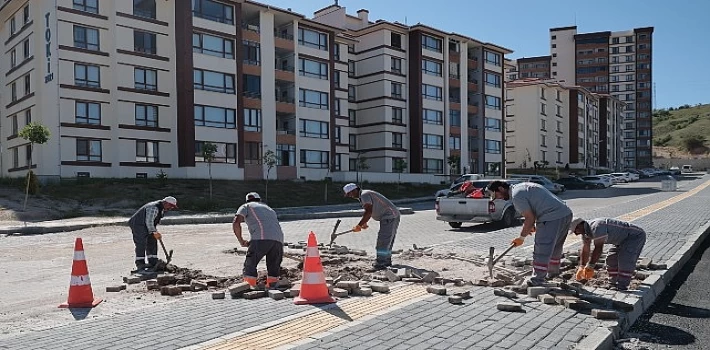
point(575, 183)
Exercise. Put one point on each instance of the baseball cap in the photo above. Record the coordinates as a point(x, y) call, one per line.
point(349, 187)
point(252, 195)
point(574, 223)
point(171, 200)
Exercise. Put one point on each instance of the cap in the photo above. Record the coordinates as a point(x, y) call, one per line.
point(252, 195)
point(349, 187)
point(171, 200)
point(573, 225)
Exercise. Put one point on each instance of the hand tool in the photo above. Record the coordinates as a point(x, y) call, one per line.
point(334, 235)
point(492, 261)
point(168, 256)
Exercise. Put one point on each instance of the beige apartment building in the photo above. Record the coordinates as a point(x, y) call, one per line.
point(134, 88)
point(563, 125)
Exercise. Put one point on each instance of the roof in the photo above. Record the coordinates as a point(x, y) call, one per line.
point(534, 58)
point(562, 28)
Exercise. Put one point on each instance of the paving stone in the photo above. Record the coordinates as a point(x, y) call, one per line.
point(546, 299)
point(170, 290)
point(276, 294)
point(185, 287)
point(295, 290)
point(364, 292)
point(340, 293)
point(654, 266)
point(411, 280)
point(464, 294)
point(511, 307)
point(560, 299)
point(483, 282)
point(131, 280)
point(439, 290)
point(565, 262)
point(604, 314)
point(504, 277)
point(642, 275)
point(577, 305)
point(115, 289)
point(533, 292)
point(391, 276)
point(379, 287)
point(404, 273)
point(520, 289)
point(152, 284)
point(285, 283)
point(644, 263)
point(429, 277)
point(166, 279)
point(626, 307)
point(359, 252)
point(455, 300)
point(211, 282)
point(329, 280)
point(218, 295)
point(350, 285)
point(505, 293)
point(236, 290)
point(256, 294)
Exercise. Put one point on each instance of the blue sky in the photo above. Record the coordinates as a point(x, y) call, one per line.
point(681, 39)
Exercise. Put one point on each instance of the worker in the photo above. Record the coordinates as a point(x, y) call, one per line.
point(266, 239)
point(545, 213)
point(145, 234)
point(379, 208)
point(627, 240)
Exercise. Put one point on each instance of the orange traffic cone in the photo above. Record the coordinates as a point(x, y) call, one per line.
point(80, 293)
point(313, 287)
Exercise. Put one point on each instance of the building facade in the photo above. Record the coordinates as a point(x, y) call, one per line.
point(134, 88)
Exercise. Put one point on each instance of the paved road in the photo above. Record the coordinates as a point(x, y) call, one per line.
point(680, 318)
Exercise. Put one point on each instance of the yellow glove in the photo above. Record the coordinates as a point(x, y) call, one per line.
point(579, 276)
point(518, 241)
point(157, 235)
point(588, 273)
point(357, 228)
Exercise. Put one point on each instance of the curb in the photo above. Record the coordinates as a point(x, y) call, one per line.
point(650, 289)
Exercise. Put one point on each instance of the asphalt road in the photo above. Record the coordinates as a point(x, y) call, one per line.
point(680, 318)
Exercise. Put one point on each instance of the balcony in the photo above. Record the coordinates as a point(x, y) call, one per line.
point(250, 30)
point(283, 37)
point(285, 65)
point(285, 97)
point(472, 63)
point(285, 128)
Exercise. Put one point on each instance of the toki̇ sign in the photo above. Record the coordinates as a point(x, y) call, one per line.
point(48, 49)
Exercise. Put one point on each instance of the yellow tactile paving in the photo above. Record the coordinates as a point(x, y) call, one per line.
point(320, 321)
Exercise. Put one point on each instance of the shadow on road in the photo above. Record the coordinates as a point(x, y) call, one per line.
point(80, 313)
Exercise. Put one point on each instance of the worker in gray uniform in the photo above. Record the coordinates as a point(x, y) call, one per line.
point(379, 208)
point(544, 212)
point(627, 239)
point(265, 239)
point(145, 234)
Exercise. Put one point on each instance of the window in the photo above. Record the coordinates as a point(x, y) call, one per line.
point(543, 141)
point(397, 90)
point(13, 26)
point(220, 47)
point(492, 58)
point(314, 159)
point(558, 96)
point(351, 68)
point(559, 111)
point(214, 81)
point(313, 99)
point(313, 128)
point(492, 102)
point(430, 116)
point(28, 88)
point(87, 113)
point(144, 8)
point(86, 38)
point(147, 152)
point(431, 43)
point(433, 141)
point(454, 117)
point(26, 48)
point(455, 142)
point(454, 70)
point(213, 11)
point(559, 141)
point(13, 91)
point(313, 69)
point(351, 93)
point(433, 166)
point(252, 119)
point(15, 127)
point(336, 78)
point(145, 79)
point(336, 106)
point(352, 117)
point(88, 150)
point(144, 42)
point(431, 67)
point(492, 146)
point(493, 124)
point(215, 117)
point(397, 115)
point(493, 79)
point(543, 109)
point(396, 40)
point(252, 86)
point(396, 65)
point(336, 51)
point(13, 58)
point(86, 75)
point(226, 152)
point(313, 39)
point(26, 14)
point(431, 92)
point(397, 140)
point(352, 142)
point(286, 155)
point(338, 135)
point(28, 116)
point(146, 115)
point(252, 152)
point(15, 157)
point(91, 6)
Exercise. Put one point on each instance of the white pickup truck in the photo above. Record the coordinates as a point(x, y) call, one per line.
point(456, 211)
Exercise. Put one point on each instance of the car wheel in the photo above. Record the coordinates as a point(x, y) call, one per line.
point(601, 186)
point(508, 219)
point(587, 187)
point(455, 224)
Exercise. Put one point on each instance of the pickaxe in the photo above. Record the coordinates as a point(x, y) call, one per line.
point(335, 235)
point(492, 261)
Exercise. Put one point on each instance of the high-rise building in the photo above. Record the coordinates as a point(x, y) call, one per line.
point(132, 88)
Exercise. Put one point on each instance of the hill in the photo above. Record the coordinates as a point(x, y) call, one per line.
point(685, 128)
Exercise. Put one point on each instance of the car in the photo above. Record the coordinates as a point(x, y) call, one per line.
point(687, 169)
point(627, 177)
point(574, 183)
point(617, 179)
point(602, 180)
point(457, 183)
point(540, 180)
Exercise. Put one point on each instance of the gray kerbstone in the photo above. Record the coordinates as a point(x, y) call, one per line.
point(218, 295)
point(276, 294)
point(439, 290)
point(510, 307)
point(605, 314)
point(456, 300)
point(340, 293)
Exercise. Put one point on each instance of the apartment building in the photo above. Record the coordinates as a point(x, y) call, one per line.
point(562, 125)
point(423, 95)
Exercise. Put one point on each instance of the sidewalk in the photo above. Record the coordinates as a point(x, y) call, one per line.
point(284, 214)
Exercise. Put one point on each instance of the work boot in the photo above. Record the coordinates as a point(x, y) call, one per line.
point(152, 263)
point(141, 265)
point(533, 283)
point(377, 267)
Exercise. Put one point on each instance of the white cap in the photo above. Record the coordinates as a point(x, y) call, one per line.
point(252, 195)
point(171, 200)
point(574, 223)
point(349, 187)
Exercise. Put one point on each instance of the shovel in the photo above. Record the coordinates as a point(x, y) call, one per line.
point(492, 262)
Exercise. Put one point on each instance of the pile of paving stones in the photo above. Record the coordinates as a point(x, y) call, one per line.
point(284, 289)
point(170, 284)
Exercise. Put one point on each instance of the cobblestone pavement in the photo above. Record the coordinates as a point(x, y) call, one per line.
point(433, 321)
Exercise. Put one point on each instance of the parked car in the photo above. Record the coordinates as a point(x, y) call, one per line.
point(687, 169)
point(457, 183)
point(456, 211)
point(602, 180)
point(575, 183)
point(540, 180)
point(625, 175)
point(617, 179)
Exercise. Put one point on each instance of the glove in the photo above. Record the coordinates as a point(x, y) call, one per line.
point(245, 243)
point(588, 273)
point(579, 276)
point(533, 229)
point(364, 226)
point(157, 235)
point(358, 228)
point(518, 241)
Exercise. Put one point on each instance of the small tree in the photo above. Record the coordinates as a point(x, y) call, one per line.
point(35, 133)
point(208, 151)
point(454, 162)
point(270, 160)
point(693, 142)
point(400, 165)
point(362, 165)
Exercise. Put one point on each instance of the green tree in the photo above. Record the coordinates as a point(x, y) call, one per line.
point(693, 142)
point(35, 133)
point(361, 166)
point(208, 151)
point(270, 159)
point(454, 162)
point(399, 166)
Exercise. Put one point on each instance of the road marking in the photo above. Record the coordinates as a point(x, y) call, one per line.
point(299, 329)
point(637, 214)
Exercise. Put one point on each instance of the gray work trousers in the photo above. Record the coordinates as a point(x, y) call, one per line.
point(146, 246)
point(549, 241)
point(258, 249)
point(621, 259)
point(385, 241)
